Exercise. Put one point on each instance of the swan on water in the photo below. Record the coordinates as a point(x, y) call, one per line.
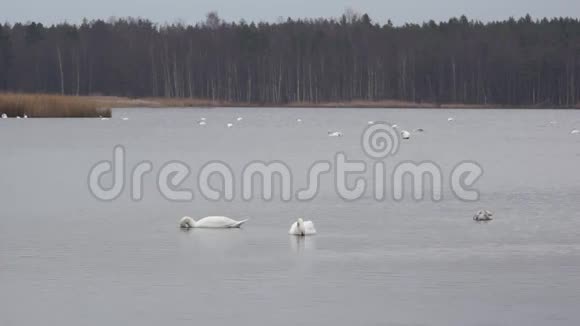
point(210, 222)
point(4, 116)
point(405, 134)
point(203, 119)
point(370, 123)
point(17, 117)
point(104, 119)
point(395, 126)
point(229, 125)
point(334, 134)
point(302, 228)
point(202, 123)
point(25, 116)
point(298, 120)
point(124, 118)
point(451, 119)
point(240, 119)
point(483, 216)
point(575, 132)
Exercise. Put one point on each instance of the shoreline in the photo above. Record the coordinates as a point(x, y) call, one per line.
point(55, 106)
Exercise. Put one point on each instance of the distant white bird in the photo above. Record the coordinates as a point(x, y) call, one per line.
point(17, 117)
point(229, 125)
point(203, 119)
point(370, 123)
point(395, 126)
point(334, 134)
point(405, 134)
point(202, 123)
point(575, 132)
point(451, 119)
point(210, 222)
point(240, 119)
point(298, 120)
point(483, 216)
point(124, 118)
point(302, 228)
point(104, 119)
point(4, 116)
point(25, 116)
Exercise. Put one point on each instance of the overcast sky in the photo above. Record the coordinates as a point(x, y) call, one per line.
point(191, 11)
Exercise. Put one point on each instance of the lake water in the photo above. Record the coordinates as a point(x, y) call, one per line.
point(67, 258)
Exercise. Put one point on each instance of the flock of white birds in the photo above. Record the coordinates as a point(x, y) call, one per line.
point(300, 227)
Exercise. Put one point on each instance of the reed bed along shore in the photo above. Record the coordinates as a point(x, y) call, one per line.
point(63, 106)
point(51, 106)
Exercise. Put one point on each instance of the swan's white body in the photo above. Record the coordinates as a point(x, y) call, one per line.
point(4, 116)
point(451, 119)
point(395, 126)
point(104, 119)
point(229, 125)
point(240, 119)
point(210, 222)
point(405, 134)
point(202, 123)
point(125, 119)
point(302, 228)
point(25, 116)
point(298, 120)
point(575, 132)
point(335, 134)
point(370, 123)
point(483, 216)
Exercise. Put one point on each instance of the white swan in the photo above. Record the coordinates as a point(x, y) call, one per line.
point(370, 123)
point(334, 134)
point(17, 117)
point(395, 126)
point(25, 116)
point(575, 132)
point(202, 123)
point(405, 134)
point(229, 125)
point(4, 116)
point(451, 119)
point(240, 119)
point(483, 216)
point(298, 120)
point(104, 119)
point(203, 119)
point(125, 119)
point(302, 228)
point(210, 222)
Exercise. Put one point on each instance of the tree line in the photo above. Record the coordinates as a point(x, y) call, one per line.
point(513, 62)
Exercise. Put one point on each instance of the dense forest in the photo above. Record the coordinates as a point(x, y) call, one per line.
point(514, 62)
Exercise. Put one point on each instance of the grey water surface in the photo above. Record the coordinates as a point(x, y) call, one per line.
point(67, 258)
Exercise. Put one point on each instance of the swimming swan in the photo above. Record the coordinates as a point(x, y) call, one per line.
point(4, 116)
point(575, 132)
point(210, 222)
point(405, 134)
point(334, 134)
point(302, 228)
point(483, 216)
